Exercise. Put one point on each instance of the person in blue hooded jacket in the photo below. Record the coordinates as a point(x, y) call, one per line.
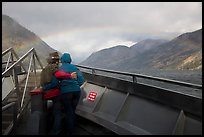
point(70, 85)
point(70, 93)
point(70, 90)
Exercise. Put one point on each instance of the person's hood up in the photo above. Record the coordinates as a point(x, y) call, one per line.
point(66, 58)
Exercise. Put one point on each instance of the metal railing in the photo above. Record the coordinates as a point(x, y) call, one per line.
point(135, 76)
point(21, 104)
point(10, 60)
point(13, 107)
point(131, 107)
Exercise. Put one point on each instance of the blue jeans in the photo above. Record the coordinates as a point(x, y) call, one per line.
point(69, 102)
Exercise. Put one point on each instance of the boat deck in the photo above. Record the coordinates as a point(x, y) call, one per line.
point(83, 127)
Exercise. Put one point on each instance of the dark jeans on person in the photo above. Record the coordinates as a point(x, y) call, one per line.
point(69, 102)
point(56, 115)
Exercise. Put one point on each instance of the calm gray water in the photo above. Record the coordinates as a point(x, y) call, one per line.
point(189, 76)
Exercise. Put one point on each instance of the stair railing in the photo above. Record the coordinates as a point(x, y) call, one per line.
point(12, 106)
point(33, 55)
point(21, 104)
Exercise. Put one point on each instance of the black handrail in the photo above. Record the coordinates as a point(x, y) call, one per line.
point(197, 86)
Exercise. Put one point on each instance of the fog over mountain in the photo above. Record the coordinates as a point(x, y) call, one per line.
point(182, 52)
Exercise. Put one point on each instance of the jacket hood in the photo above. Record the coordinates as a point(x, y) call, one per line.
point(66, 58)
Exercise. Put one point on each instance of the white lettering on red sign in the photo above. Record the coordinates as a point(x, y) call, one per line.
point(92, 96)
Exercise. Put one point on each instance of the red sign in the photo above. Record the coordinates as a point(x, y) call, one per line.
point(92, 96)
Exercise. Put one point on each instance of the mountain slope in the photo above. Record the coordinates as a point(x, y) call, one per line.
point(172, 53)
point(183, 52)
point(105, 56)
point(111, 57)
point(21, 39)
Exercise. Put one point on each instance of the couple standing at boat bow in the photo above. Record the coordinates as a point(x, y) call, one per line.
point(62, 84)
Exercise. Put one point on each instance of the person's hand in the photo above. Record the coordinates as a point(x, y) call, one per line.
point(37, 91)
point(41, 90)
point(74, 75)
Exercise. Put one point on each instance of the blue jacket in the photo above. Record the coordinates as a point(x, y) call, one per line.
point(69, 84)
point(53, 84)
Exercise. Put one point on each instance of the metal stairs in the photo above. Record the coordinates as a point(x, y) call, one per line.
point(8, 116)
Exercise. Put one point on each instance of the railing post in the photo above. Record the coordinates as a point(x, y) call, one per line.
point(34, 52)
point(7, 64)
point(12, 50)
point(134, 79)
point(29, 70)
point(15, 110)
point(16, 84)
point(93, 71)
point(34, 67)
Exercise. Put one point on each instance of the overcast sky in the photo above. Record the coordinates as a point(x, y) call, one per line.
point(81, 28)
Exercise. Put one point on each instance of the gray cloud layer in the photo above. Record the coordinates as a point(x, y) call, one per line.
point(85, 27)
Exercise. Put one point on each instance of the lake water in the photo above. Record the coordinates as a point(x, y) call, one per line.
point(189, 76)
